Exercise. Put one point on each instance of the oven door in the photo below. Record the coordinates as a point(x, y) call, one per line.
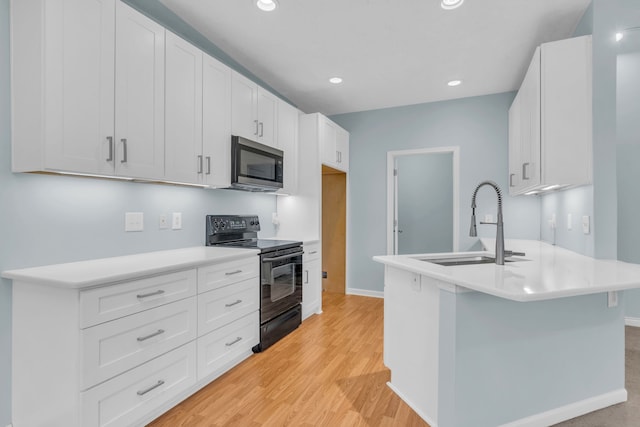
point(281, 282)
point(255, 166)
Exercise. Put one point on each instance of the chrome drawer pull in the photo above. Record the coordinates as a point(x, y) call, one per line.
point(229, 344)
point(150, 294)
point(147, 390)
point(231, 273)
point(313, 252)
point(155, 334)
point(306, 272)
point(233, 303)
point(278, 258)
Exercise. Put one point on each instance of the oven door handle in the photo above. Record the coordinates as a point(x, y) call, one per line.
point(278, 258)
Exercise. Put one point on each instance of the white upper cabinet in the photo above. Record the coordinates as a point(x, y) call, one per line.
point(73, 109)
point(334, 145)
point(288, 117)
point(216, 123)
point(184, 161)
point(62, 84)
point(140, 44)
point(253, 111)
point(550, 121)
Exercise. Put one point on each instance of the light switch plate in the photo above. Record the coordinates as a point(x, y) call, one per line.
point(176, 223)
point(133, 221)
point(612, 299)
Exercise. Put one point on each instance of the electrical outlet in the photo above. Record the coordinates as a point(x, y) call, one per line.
point(133, 221)
point(586, 224)
point(163, 222)
point(612, 299)
point(176, 223)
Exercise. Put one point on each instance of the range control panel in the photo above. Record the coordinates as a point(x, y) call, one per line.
point(221, 224)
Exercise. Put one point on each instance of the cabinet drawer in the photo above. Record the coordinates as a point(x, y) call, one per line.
point(218, 349)
point(125, 399)
point(111, 302)
point(224, 305)
point(311, 252)
point(114, 347)
point(219, 275)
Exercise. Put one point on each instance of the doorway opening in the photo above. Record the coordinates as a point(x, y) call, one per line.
point(422, 200)
point(334, 230)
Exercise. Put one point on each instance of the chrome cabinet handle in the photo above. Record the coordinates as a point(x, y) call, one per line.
point(261, 129)
point(229, 344)
point(150, 294)
point(231, 273)
point(256, 132)
point(306, 280)
point(124, 150)
point(278, 258)
point(110, 158)
point(147, 390)
point(337, 156)
point(155, 334)
point(511, 180)
point(208, 165)
point(524, 171)
point(233, 303)
point(200, 163)
point(313, 252)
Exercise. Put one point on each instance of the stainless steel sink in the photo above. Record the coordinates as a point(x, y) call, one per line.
point(471, 260)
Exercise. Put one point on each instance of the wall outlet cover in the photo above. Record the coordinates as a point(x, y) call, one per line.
point(133, 221)
point(163, 222)
point(176, 222)
point(569, 222)
point(586, 224)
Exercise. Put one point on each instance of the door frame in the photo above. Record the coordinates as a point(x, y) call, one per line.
point(392, 190)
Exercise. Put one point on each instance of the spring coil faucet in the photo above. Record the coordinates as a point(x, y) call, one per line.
point(473, 232)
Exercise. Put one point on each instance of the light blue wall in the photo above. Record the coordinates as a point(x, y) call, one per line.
point(478, 125)
point(425, 203)
point(54, 219)
point(506, 355)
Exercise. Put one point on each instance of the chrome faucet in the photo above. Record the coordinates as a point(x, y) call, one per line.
point(499, 224)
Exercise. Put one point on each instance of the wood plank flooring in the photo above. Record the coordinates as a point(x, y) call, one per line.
point(329, 372)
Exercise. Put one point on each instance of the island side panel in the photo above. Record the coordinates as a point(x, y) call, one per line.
point(516, 360)
point(411, 340)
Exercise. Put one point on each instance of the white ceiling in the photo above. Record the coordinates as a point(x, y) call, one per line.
point(389, 52)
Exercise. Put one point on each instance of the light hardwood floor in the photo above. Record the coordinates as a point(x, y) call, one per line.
point(329, 372)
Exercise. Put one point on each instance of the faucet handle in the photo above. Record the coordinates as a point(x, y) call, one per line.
point(513, 253)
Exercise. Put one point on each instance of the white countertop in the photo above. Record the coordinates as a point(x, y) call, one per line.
point(545, 272)
point(84, 274)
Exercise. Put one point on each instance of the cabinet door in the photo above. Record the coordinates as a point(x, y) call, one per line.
point(267, 112)
point(216, 125)
point(515, 142)
point(288, 143)
point(328, 142)
point(79, 93)
point(183, 111)
point(244, 107)
point(312, 288)
point(342, 149)
point(139, 95)
point(530, 125)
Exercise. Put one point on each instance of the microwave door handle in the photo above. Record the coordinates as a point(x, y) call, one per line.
point(278, 258)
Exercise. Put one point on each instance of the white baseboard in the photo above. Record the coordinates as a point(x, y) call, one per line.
point(421, 414)
point(632, 321)
point(364, 293)
point(573, 410)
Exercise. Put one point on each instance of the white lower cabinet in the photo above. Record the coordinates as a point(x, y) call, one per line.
point(311, 280)
point(125, 399)
point(121, 354)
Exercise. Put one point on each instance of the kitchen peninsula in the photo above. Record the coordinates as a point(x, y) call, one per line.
point(531, 343)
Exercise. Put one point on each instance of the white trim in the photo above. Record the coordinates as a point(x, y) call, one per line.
point(364, 293)
point(570, 411)
point(391, 162)
point(632, 321)
point(421, 414)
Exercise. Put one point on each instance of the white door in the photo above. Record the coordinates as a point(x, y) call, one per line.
point(267, 112)
point(184, 161)
point(328, 141)
point(216, 122)
point(244, 104)
point(530, 124)
point(342, 149)
point(80, 89)
point(515, 146)
point(139, 95)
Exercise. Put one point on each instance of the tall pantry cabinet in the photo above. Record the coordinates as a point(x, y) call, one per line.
point(73, 109)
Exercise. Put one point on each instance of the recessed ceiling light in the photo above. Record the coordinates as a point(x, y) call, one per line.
point(335, 80)
point(451, 4)
point(266, 5)
point(619, 36)
point(455, 82)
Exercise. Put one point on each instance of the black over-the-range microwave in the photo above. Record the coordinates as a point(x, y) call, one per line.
point(255, 166)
